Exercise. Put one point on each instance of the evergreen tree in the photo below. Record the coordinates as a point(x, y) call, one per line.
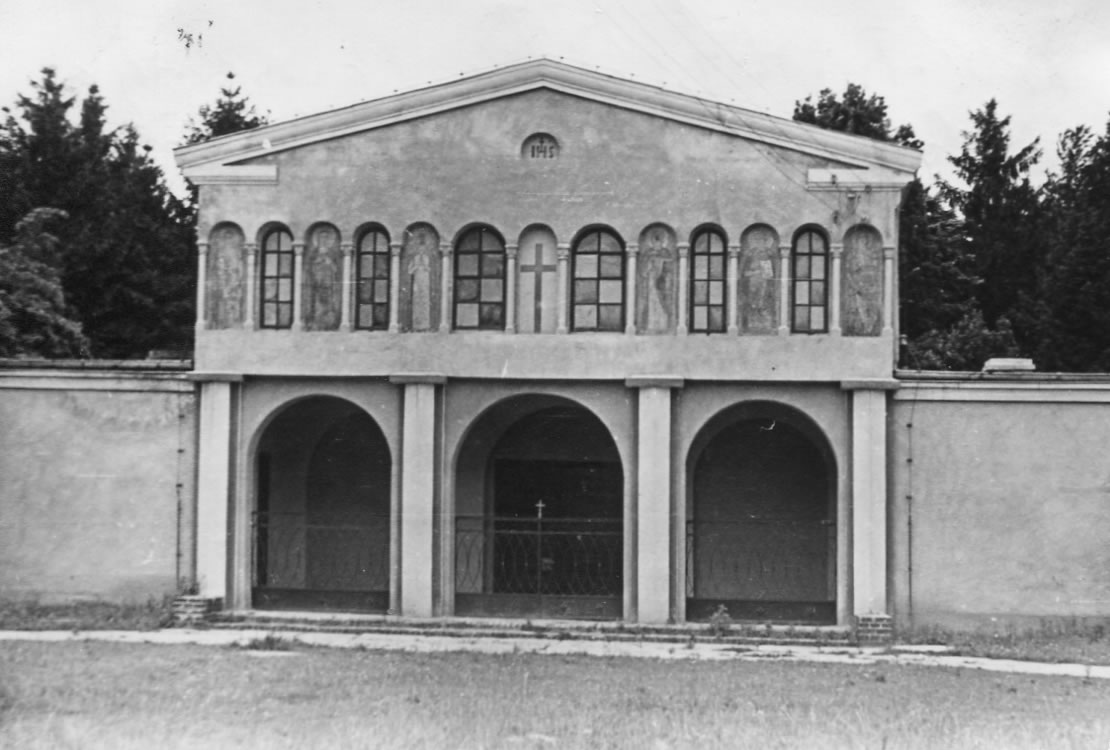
point(231, 113)
point(1000, 212)
point(1074, 295)
point(33, 320)
point(125, 248)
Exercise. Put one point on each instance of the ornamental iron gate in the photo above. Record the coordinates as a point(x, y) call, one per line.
point(549, 567)
point(329, 561)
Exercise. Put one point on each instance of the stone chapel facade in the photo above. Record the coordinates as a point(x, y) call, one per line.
point(542, 342)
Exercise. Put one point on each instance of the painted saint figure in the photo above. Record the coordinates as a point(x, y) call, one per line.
point(420, 275)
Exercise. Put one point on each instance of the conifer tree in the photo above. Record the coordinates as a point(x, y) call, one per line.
point(231, 113)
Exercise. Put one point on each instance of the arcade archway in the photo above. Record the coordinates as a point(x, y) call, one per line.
point(761, 535)
point(539, 530)
point(321, 520)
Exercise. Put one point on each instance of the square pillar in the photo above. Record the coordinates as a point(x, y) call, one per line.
point(418, 492)
point(654, 507)
point(214, 476)
point(869, 498)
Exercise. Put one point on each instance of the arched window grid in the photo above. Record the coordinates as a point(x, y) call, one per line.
point(372, 267)
point(809, 289)
point(597, 296)
point(277, 280)
point(480, 281)
point(708, 258)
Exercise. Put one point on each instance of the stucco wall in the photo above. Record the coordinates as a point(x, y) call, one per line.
point(96, 484)
point(1000, 503)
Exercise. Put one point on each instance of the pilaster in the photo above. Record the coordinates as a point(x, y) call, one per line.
point(836, 254)
point(683, 326)
point(418, 491)
point(510, 288)
point(395, 287)
point(298, 285)
point(214, 473)
point(202, 284)
point(445, 278)
point(888, 290)
point(563, 255)
point(784, 290)
point(654, 511)
point(733, 297)
point(633, 250)
point(869, 549)
point(347, 286)
point(251, 305)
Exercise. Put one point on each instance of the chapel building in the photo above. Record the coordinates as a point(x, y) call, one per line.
point(543, 342)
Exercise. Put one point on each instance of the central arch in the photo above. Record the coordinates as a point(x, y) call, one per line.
point(322, 500)
point(761, 542)
point(539, 528)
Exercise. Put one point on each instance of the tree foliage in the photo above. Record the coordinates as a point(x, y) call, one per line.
point(125, 245)
point(33, 321)
point(854, 112)
point(231, 113)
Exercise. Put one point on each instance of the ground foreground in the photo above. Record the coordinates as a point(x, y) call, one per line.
point(113, 695)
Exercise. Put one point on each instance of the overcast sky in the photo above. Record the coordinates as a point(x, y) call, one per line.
point(1047, 63)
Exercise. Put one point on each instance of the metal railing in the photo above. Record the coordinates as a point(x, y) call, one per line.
point(321, 551)
point(774, 559)
point(542, 556)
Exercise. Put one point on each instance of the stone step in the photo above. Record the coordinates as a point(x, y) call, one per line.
point(744, 632)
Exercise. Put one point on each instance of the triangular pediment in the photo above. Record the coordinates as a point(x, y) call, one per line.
point(887, 160)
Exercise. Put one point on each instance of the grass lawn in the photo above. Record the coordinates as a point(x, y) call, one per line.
point(104, 695)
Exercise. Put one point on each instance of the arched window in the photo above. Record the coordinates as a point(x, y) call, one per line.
point(707, 282)
point(809, 270)
point(597, 299)
point(480, 280)
point(372, 285)
point(277, 279)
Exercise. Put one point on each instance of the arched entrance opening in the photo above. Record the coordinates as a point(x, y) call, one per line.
point(539, 527)
point(321, 520)
point(761, 534)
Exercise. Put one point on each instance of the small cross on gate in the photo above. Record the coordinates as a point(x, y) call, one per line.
point(539, 509)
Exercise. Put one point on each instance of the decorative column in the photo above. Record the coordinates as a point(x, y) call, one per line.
point(202, 281)
point(563, 255)
point(347, 285)
point(733, 299)
point(446, 252)
point(214, 462)
point(418, 486)
point(869, 500)
point(252, 285)
point(888, 290)
point(784, 290)
point(683, 326)
point(510, 288)
point(836, 253)
point(654, 510)
point(630, 289)
point(298, 285)
point(395, 287)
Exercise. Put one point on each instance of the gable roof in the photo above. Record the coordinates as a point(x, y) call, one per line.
point(850, 150)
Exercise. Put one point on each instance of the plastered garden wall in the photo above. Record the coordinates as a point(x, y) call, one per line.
point(97, 471)
point(1000, 502)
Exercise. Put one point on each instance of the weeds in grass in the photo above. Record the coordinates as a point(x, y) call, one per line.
point(87, 615)
point(720, 623)
point(269, 642)
point(1052, 640)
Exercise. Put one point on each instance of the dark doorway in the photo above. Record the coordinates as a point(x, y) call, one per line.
point(550, 542)
point(762, 541)
point(321, 526)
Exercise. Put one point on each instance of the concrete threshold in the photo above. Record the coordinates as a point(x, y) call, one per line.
point(492, 627)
